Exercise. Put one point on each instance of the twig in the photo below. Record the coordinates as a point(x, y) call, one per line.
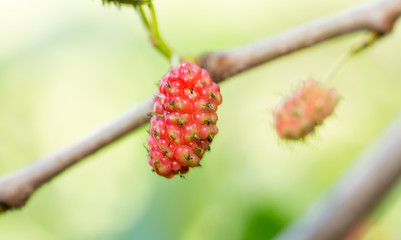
point(355, 193)
point(378, 16)
point(16, 188)
point(355, 50)
point(152, 27)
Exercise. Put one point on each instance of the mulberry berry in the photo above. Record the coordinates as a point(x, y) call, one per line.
point(306, 108)
point(184, 121)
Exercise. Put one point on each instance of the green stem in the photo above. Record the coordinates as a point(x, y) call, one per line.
point(373, 37)
point(151, 25)
point(341, 62)
point(154, 20)
point(143, 17)
point(336, 68)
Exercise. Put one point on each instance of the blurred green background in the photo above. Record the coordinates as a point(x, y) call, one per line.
point(68, 66)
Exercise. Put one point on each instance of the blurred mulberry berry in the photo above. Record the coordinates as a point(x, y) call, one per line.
point(305, 109)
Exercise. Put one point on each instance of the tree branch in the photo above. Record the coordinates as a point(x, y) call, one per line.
point(355, 193)
point(16, 188)
point(378, 16)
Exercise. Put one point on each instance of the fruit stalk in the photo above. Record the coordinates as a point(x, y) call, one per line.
point(149, 19)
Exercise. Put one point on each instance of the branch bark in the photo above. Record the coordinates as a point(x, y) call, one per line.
point(379, 16)
point(355, 193)
point(16, 188)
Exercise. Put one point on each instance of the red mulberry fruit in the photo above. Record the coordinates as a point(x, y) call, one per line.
point(184, 121)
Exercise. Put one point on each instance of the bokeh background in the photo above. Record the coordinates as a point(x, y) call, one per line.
point(69, 66)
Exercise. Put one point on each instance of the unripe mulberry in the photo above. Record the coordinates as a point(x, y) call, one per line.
point(306, 108)
point(184, 121)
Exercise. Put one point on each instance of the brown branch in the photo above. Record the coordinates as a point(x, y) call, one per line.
point(355, 193)
point(378, 17)
point(16, 188)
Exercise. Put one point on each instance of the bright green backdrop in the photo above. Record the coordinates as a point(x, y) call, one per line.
point(68, 66)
